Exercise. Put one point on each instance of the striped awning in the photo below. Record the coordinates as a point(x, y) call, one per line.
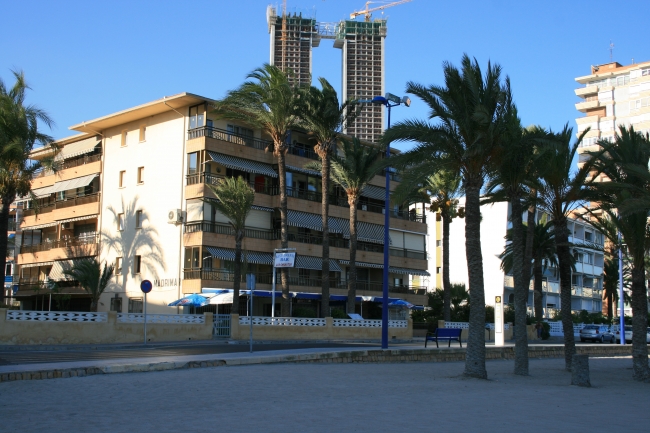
point(363, 264)
point(56, 273)
point(367, 232)
point(406, 271)
point(75, 183)
point(33, 265)
point(374, 192)
point(303, 170)
point(81, 218)
point(40, 226)
point(77, 148)
point(315, 263)
point(242, 164)
point(312, 221)
point(251, 256)
point(262, 208)
point(40, 192)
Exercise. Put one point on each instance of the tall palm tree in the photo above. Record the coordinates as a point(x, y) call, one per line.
point(510, 180)
point(625, 201)
point(543, 255)
point(560, 190)
point(91, 277)
point(271, 102)
point(470, 111)
point(323, 117)
point(19, 133)
point(441, 191)
point(353, 172)
point(235, 200)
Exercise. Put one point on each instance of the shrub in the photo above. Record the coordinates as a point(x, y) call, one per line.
point(303, 312)
point(339, 313)
point(546, 331)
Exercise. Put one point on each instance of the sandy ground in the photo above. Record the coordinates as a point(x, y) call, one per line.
point(427, 397)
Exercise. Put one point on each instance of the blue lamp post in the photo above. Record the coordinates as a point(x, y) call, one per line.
point(389, 102)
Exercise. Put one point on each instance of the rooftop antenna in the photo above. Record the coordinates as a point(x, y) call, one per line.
point(611, 51)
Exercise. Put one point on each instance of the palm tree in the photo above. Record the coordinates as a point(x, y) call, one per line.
point(470, 109)
point(611, 284)
point(323, 117)
point(352, 173)
point(543, 255)
point(19, 132)
point(625, 202)
point(271, 102)
point(441, 192)
point(560, 190)
point(235, 199)
point(91, 277)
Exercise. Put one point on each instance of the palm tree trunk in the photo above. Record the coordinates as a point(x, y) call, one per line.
point(284, 239)
point(325, 277)
point(475, 355)
point(520, 289)
point(530, 239)
point(446, 284)
point(610, 304)
point(352, 272)
point(639, 323)
point(537, 292)
point(239, 236)
point(94, 301)
point(564, 259)
point(4, 228)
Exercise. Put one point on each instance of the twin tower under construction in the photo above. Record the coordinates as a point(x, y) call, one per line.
point(362, 45)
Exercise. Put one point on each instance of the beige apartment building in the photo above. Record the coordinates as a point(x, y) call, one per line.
point(131, 189)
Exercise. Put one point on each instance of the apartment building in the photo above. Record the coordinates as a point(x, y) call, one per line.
point(586, 280)
point(131, 190)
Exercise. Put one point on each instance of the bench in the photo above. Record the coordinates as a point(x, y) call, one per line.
point(444, 334)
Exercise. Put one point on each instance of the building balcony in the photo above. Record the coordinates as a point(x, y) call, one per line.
point(584, 91)
point(214, 179)
point(223, 229)
point(584, 106)
point(76, 241)
point(70, 207)
point(229, 137)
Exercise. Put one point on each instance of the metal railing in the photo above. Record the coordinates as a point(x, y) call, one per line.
point(305, 152)
point(60, 243)
point(230, 137)
point(221, 275)
point(221, 325)
point(62, 204)
point(223, 229)
point(213, 179)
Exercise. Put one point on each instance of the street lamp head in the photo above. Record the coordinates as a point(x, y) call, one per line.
point(406, 101)
point(379, 100)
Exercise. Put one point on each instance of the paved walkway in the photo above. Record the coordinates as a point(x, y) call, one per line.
point(333, 397)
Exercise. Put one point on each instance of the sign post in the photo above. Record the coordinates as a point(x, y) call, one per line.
point(250, 286)
point(146, 287)
point(282, 258)
point(499, 339)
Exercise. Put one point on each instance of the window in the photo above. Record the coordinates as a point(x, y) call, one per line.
point(140, 175)
point(438, 270)
point(143, 133)
point(116, 304)
point(60, 196)
point(588, 236)
point(192, 258)
point(197, 116)
point(123, 142)
point(438, 243)
point(120, 221)
point(138, 219)
point(121, 178)
point(192, 162)
point(135, 305)
point(136, 264)
point(118, 266)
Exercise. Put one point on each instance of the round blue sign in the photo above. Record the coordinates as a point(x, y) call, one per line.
point(146, 286)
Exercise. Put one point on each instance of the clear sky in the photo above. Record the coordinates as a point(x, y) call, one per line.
point(86, 59)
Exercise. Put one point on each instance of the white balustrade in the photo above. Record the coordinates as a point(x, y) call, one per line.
point(357, 323)
point(161, 318)
point(55, 316)
point(282, 321)
point(491, 326)
point(457, 325)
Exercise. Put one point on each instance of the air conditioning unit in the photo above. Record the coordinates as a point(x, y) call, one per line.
point(67, 226)
point(364, 207)
point(175, 216)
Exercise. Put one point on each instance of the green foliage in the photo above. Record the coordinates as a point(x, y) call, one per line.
point(339, 313)
point(303, 312)
point(591, 318)
point(91, 277)
point(235, 198)
point(509, 316)
point(489, 314)
point(546, 331)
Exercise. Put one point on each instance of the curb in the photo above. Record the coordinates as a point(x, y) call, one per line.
point(348, 356)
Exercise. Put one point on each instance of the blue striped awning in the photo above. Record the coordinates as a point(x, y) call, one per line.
point(363, 264)
point(315, 263)
point(251, 256)
point(303, 170)
point(312, 221)
point(368, 232)
point(262, 208)
point(406, 271)
point(242, 164)
point(374, 192)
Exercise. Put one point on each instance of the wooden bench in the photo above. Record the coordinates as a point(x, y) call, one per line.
point(450, 334)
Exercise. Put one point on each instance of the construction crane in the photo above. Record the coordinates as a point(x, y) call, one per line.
point(366, 12)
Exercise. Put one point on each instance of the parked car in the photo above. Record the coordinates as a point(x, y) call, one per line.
point(595, 333)
point(617, 333)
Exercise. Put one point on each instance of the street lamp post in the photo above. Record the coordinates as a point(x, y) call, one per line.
point(389, 101)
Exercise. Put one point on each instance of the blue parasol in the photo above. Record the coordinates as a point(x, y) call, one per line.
point(193, 300)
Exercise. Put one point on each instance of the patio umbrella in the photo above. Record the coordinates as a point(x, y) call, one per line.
point(401, 303)
point(193, 300)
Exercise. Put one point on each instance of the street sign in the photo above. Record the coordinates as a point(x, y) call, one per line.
point(499, 336)
point(284, 260)
point(146, 286)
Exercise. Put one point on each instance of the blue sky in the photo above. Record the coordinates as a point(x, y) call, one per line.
point(88, 59)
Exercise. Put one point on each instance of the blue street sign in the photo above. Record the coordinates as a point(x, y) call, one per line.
point(146, 286)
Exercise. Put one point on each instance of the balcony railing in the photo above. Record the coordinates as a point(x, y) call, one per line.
point(221, 275)
point(69, 163)
point(230, 137)
point(214, 179)
point(62, 204)
point(61, 243)
point(223, 229)
point(304, 151)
